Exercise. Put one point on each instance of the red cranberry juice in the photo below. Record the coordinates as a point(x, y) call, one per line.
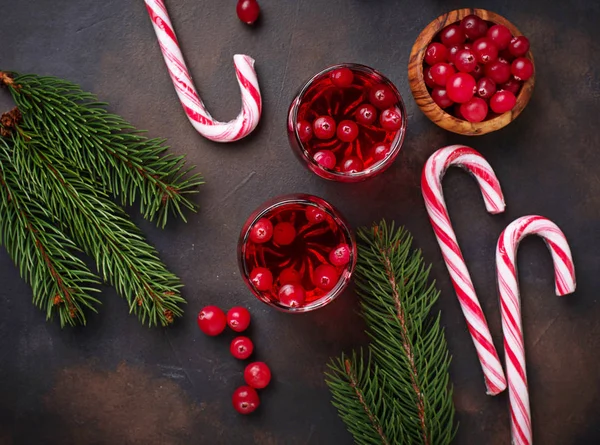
point(297, 261)
point(323, 98)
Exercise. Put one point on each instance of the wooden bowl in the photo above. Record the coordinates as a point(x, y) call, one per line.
point(419, 90)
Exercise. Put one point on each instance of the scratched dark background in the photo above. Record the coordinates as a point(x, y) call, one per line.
point(115, 382)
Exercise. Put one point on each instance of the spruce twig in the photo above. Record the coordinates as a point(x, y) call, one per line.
point(410, 362)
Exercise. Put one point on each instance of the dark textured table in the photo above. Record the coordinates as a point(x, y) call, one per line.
point(115, 382)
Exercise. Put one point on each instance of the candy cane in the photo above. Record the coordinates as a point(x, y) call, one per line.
point(196, 112)
point(431, 186)
point(508, 286)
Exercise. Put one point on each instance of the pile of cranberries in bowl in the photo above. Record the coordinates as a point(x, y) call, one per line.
point(474, 69)
point(347, 123)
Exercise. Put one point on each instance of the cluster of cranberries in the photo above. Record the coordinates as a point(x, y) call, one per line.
point(476, 65)
point(212, 321)
point(291, 292)
point(377, 113)
point(248, 11)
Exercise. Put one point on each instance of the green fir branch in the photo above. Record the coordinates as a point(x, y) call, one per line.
point(61, 282)
point(410, 362)
point(102, 229)
point(75, 125)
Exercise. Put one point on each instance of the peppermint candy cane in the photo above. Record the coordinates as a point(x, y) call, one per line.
point(196, 112)
point(508, 287)
point(431, 186)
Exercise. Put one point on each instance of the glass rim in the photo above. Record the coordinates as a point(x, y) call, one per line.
point(395, 146)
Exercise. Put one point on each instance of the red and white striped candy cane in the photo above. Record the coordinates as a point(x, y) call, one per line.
point(431, 187)
point(191, 102)
point(510, 303)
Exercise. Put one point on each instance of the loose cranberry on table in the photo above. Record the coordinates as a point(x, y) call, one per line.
point(241, 348)
point(245, 400)
point(238, 318)
point(262, 231)
point(212, 320)
point(257, 375)
point(262, 278)
point(248, 11)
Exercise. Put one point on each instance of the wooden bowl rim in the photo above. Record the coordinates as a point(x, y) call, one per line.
point(418, 87)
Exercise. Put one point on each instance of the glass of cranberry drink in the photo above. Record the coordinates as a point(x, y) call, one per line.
point(347, 123)
point(296, 253)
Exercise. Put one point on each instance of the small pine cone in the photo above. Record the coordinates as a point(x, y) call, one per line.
point(57, 300)
point(169, 316)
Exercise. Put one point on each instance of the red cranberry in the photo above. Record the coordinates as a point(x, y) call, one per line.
point(474, 110)
point(500, 35)
point(245, 400)
point(261, 278)
point(325, 158)
point(435, 53)
point(382, 96)
point(498, 71)
point(292, 295)
point(452, 35)
point(522, 68)
point(342, 77)
point(518, 46)
point(441, 72)
point(305, 131)
point(440, 97)
point(247, 11)
point(366, 114)
point(238, 318)
point(503, 101)
point(340, 256)
point(352, 164)
point(452, 52)
point(261, 231)
point(315, 215)
point(257, 375)
point(241, 348)
point(347, 131)
point(284, 233)
point(428, 79)
point(324, 127)
point(477, 72)
point(473, 26)
point(212, 320)
point(486, 88)
point(511, 85)
point(289, 276)
point(460, 87)
point(391, 119)
point(465, 61)
point(485, 50)
point(380, 151)
point(325, 277)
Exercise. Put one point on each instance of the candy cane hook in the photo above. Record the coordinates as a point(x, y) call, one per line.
point(193, 106)
point(431, 186)
point(510, 303)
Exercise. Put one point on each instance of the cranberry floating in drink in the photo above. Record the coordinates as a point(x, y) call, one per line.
point(306, 258)
point(341, 118)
